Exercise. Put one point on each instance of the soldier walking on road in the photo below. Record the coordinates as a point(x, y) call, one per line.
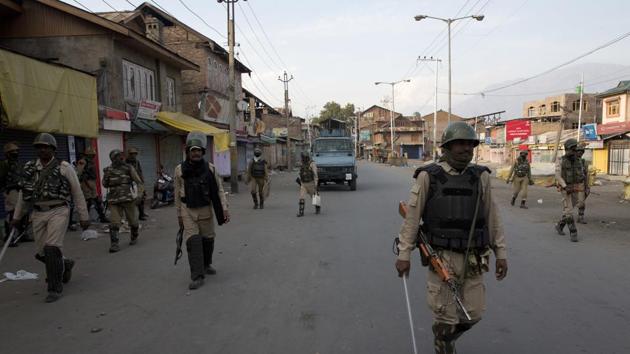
point(570, 180)
point(309, 182)
point(48, 187)
point(199, 191)
point(257, 178)
point(587, 187)
point(453, 200)
point(86, 170)
point(521, 177)
point(132, 159)
point(10, 184)
point(118, 177)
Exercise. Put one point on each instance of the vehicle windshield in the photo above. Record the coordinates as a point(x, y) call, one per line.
point(338, 145)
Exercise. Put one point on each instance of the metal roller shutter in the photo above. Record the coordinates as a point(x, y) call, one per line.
point(412, 151)
point(147, 155)
point(171, 152)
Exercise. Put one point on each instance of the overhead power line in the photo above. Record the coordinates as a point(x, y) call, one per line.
point(83, 6)
point(265, 34)
point(201, 19)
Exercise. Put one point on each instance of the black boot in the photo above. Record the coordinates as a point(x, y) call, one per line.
point(194, 246)
point(208, 250)
point(255, 199)
point(113, 237)
point(68, 264)
point(572, 229)
point(301, 209)
point(523, 204)
point(262, 202)
point(318, 209)
point(54, 272)
point(141, 214)
point(513, 200)
point(560, 226)
point(134, 235)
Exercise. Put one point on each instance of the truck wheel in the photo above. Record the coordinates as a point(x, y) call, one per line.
point(353, 184)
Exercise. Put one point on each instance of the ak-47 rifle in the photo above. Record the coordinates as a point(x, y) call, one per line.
point(178, 242)
point(429, 253)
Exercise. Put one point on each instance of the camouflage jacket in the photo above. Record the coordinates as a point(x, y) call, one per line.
point(119, 180)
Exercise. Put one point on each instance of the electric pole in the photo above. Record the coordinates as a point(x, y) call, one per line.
point(437, 62)
point(285, 80)
point(232, 96)
point(581, 105)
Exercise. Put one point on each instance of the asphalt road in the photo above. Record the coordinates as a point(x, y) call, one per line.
point(326, 283)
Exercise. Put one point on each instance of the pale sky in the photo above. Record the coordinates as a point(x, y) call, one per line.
point(336, 50)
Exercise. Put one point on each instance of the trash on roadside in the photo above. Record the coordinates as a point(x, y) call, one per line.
point(89, 235)
point(540, 201)
point(96, 330)
point(21, 275)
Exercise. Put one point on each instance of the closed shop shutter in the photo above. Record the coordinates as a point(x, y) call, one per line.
point(412, 151)
point(171, 152)
point(619, 157)
point(25, 140)
point(147, 155)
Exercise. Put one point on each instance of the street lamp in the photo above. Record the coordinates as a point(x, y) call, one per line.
point(391, 123)
point(448, 22)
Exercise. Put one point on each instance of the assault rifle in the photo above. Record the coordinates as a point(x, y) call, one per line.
point(427, 252)
point(178, 242)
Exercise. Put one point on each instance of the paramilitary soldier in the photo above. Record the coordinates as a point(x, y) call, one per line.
point(119, 178)
point(453, 200)
point(199, 191)
point(521, 177)
point(132, 159)
point(570, 179)
point(587, 188)
point(86, 170)
point(309, 182)
point(48, 187)
point(10, 184)
point(257, 178)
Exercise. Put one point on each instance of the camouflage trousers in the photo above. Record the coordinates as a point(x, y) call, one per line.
point(129, 209)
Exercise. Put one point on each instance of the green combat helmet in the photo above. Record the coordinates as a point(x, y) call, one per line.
point(113, 154)
point(459, 131)
point(45, 139)
point(570, 144)
point(132, 150)
point(196, 139)
point(8, 147)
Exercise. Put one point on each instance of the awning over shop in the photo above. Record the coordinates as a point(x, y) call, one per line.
point(187, 123)
point(41, 97)
point(267, 139)
point(147, 126)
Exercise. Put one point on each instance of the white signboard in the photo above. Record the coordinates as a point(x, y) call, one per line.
point(116, 125)
point(147, 109)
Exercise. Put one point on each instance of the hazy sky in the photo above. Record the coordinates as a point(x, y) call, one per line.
point(336, 50)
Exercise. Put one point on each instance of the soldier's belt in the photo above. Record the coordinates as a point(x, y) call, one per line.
point(48, 207)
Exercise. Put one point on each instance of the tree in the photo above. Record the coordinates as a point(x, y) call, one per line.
point(333, 109)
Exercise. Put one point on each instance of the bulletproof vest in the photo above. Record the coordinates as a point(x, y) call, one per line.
point(45, 185)
point(306, 173)
point(258, 168)
point(522, 168)
point(119, 183)
point(14, 175)
point(450, 208)
point(572, 170)
point(197, 188)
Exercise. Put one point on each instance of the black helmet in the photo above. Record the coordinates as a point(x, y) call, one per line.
point(45, 139)
point(524, 152)
point(459, 131)
point(114, 153)
point(196, 139)
point(570, 143)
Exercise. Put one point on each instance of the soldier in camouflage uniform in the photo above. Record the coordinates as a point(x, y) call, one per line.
point(86, 170)
point(309, 182)
point(10, 181)
point(587, 188)
point(257, 178)
point(570, 180)
point(521, 177)
point(119, 178)
point(48, 187)
point(132, 159)
point(199, 197)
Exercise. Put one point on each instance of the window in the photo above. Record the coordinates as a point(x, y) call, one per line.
point(138, 82)
point(576, 105)
point(612, 108)
point(531, 112)
point(170, 92)
point(555, 106)
point(542, 110)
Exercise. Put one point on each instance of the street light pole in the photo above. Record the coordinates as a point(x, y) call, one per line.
point(449, 21)
point(285, 80)
point(435, 108)
point(391, 123)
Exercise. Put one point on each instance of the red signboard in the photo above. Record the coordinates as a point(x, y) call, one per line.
point(518, 129)
point(613, 128)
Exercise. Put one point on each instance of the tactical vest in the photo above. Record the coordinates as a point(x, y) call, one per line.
point(450, 207)
point(197, 188)
point(136, 165)
point(14, 176)
point(45, 185)
point(572, 170)
point(306, 173)
point(522, 168)
point(89, 172)
point(258, 168)
point(119, 183)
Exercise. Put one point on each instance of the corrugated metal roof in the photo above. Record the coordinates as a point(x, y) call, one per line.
point(148, 126)
point(622, 87)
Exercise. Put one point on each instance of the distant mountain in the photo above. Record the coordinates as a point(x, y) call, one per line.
point(597, 78)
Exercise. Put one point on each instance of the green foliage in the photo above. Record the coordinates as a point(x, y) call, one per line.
point(333, 109)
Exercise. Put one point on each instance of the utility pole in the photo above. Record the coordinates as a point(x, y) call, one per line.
point(581, 104)
point(232, 96)
point(391, 123)
point(435, 109)
point(285, 80)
